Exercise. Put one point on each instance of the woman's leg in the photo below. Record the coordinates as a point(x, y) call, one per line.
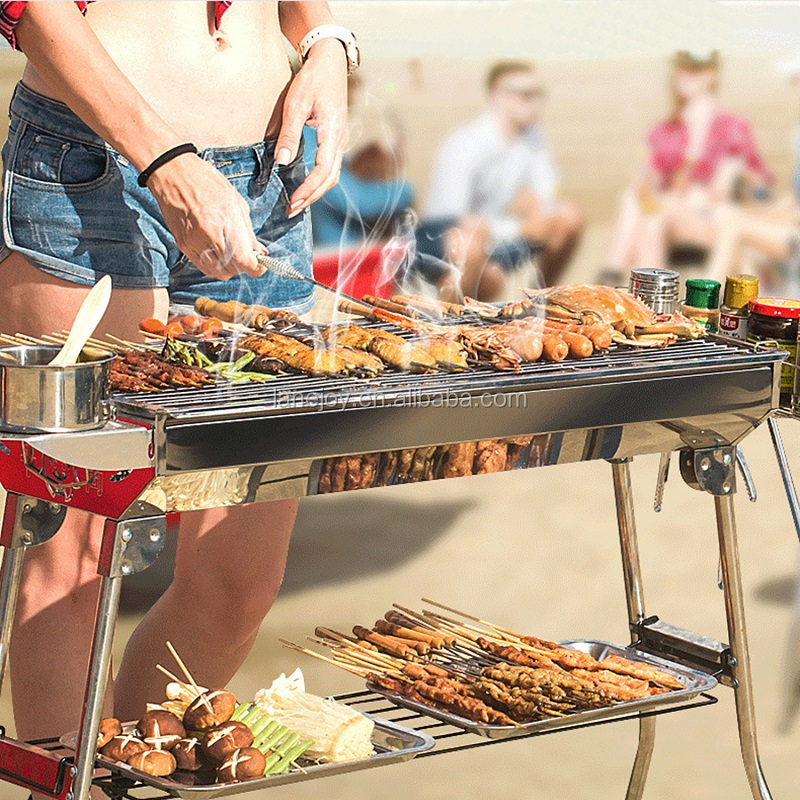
point(228, 571)
point(739, 228)
point(35, 302)
point(52, 637)
point(626, 231)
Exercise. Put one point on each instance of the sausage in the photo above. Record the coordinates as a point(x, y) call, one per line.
point(421, 647)
point(529, 345)
point(324, 482)
point(392, 647)
point(554, 348)
point(398, 619)
point(599, 333)
point(390, 628)
point(338, 474)
point(579, 345)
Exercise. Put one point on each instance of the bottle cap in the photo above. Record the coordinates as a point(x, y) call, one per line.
point(776, 307)
point(740, 290)
point(702, 293)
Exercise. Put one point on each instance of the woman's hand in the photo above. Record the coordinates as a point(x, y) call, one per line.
point(208, 218)
point(317, 96)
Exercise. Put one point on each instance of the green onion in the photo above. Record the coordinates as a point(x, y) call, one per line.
point(240, 711)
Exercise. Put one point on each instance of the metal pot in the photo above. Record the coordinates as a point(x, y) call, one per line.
point(38, 398)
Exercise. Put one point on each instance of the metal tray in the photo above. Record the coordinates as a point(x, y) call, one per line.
point(393, 743)
point(695, 683)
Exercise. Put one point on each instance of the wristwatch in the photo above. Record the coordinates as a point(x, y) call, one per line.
point(346, 37)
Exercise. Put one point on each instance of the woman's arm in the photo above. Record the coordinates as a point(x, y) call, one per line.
point(317, 96)
point(194, 197)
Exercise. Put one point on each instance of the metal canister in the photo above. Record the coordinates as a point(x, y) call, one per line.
point(38, 398)
point(657, 288)
point(734, 312)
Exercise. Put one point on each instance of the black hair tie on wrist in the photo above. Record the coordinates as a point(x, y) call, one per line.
point(173, 152)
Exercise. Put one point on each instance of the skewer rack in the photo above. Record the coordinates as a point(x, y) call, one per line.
point(700, 398)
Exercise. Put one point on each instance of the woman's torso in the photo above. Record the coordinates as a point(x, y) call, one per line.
point(725, 136)
point(214, 87)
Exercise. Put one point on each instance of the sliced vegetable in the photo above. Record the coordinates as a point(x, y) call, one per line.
point(150, 325)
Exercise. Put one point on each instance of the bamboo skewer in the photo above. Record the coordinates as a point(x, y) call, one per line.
point(472, 617)
point(165, 671)
point(362, 673)
point(189, 676)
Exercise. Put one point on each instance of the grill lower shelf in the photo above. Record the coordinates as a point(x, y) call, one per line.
point(447, 738)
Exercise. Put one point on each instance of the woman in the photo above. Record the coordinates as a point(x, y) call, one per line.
point(107, 89)
point(701, 157)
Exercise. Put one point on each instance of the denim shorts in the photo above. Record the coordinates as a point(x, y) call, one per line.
point(72, 206)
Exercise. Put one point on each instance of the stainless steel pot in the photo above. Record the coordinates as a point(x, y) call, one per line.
point(38, 398)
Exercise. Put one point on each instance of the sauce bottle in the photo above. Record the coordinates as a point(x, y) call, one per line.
point(734, 313)
point(702, 302)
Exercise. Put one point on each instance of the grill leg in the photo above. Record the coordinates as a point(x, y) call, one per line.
point(634, 595)
point(737, 635)
point(96, 684)
point(26, 522)
point(10, 576)
point(786, 475)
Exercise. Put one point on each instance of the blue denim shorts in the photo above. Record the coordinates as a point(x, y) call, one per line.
point(72, 206)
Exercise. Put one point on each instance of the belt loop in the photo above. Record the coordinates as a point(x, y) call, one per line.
point(265, 166)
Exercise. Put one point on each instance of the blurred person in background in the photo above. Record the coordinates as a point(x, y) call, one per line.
point(371, 193)
point(752, 238)
point(493, 196)
point(702, 157)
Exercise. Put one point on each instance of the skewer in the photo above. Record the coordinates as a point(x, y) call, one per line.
point(362, 655)
point(473, 618)
point(188, 674)
point(166, 672)
point(362, 673)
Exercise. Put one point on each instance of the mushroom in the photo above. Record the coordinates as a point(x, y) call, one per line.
point(187, 754)
point(121, 748)
point(160, 729)
point(209, 710)
point(109, 728)
point(242, 765)
point(154, 762)
point(220, 742)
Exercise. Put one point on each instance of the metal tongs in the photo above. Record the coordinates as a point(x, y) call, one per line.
point(663, 475)
point(280, 266)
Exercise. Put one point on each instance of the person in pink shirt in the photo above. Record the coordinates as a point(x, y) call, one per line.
point(702, 158)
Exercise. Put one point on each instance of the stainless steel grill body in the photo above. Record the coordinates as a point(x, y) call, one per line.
point(268, 441)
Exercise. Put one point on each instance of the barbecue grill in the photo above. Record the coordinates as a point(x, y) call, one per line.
point(268, 441)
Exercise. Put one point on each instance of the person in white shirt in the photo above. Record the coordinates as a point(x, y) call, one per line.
point(493, 195)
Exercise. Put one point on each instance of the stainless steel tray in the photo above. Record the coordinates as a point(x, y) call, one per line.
point(393, 743)
point(693, 681)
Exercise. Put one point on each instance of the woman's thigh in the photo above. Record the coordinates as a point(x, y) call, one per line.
point(689, 223)
point(36, 303)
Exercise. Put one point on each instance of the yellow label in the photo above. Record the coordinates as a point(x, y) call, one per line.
point(787, 370)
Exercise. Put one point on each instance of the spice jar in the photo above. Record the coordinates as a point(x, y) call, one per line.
point(734, 312)
point(702, 302)
point(775, 319)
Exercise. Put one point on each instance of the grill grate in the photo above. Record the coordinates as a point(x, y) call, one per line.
point(300, 393)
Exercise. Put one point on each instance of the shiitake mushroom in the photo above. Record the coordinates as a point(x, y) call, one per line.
point(209, 710)
point(123, 747)
point(160, 730)
point(220, 742)
point(109, 728)
point(159, 763)
point(242, 765)
point(187, 753)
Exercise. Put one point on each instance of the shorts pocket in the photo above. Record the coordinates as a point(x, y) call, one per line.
point(40, 157)
point(291, 176)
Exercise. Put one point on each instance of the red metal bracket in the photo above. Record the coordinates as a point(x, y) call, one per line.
point(29, 472)
point(35, 769)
